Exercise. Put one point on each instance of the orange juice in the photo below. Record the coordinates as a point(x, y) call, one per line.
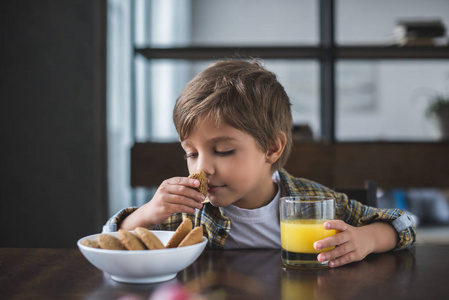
point(299, 235)
point(297, 238)
point(302, 218)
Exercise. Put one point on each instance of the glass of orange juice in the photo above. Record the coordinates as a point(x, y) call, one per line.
point(302, 219)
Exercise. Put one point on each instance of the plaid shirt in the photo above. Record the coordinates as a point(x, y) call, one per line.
point(217, 226)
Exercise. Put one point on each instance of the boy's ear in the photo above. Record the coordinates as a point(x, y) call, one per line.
point(276, 149)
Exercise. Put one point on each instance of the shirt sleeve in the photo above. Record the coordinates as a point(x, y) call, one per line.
point(357, 214)
point(407, 233)
point(114, 222)
point(353, 212)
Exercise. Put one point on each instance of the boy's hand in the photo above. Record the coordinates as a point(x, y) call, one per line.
point(355, 243)
point(174, 195)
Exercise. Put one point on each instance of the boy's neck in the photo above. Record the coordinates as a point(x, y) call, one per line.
point(268, 192)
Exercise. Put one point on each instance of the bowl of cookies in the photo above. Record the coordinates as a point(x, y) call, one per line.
point(142, 255)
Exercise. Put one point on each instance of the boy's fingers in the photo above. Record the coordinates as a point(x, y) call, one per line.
point(184, 209)
point(184, 187)
point(336, 225)
point(338, 256)
point(185, 201)
point(183, 181)
point(327, 243)
point(335, 240)
point(188, 192)
point(341, 261)
point(339, 251)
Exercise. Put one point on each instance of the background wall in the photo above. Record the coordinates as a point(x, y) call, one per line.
point(52, 124)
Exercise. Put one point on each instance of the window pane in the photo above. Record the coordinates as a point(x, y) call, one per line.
point(155, 101)
point(386, 100)
point(156, 94)
point(232, 22)
point(373, 22)
point(300, 79)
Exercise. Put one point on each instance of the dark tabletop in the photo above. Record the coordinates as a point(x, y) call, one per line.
point(420, 273)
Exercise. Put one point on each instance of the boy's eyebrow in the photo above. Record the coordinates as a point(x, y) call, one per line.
point(185, 143)
point(214, 140)
point(224, 139)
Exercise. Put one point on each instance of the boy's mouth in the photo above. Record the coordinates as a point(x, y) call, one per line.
point(214, 188)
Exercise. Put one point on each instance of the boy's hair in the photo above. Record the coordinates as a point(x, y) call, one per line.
point(240, 94)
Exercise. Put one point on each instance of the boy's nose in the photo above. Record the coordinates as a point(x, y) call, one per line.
point(204, 164)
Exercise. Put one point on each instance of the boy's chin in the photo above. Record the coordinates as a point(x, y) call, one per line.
point(214, 201)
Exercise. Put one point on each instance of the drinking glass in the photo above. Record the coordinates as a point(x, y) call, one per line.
point(302, 219)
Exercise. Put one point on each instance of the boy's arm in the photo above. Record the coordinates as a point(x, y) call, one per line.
point(383, 235)
point(113, 224)
point(357, 214)
point(136, 219)
point(364, 230)
point(174, 195)
point(355, 243)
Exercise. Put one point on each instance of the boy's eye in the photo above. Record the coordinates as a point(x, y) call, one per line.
point(190, 155)
point(219, 153)
point(224, 153)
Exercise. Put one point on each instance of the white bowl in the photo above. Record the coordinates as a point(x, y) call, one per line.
point(143, 266)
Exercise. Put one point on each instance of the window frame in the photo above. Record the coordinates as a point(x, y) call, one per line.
point(327, 53)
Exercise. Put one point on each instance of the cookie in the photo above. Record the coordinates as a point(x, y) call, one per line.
point(107, 241)
point(194, 237)
point(202, 178)
point(148, 238)
point(130, 241)
point(90, 243)
point(180, 233)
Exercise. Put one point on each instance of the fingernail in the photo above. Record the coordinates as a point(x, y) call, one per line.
point(200, 205)
point(317, 245)
point(323, 257)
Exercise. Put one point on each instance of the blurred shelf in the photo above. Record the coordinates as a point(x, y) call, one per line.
point(296, 52)
point(393, 52)
point(228, 52)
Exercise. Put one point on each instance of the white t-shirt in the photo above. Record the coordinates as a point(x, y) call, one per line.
point(255, 228)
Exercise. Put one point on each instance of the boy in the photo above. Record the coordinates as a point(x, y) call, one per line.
point(234, 123)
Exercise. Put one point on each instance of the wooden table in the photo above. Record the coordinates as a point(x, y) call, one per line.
point(420, 273)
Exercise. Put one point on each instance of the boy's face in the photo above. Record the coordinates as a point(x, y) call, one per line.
point(237, 169)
